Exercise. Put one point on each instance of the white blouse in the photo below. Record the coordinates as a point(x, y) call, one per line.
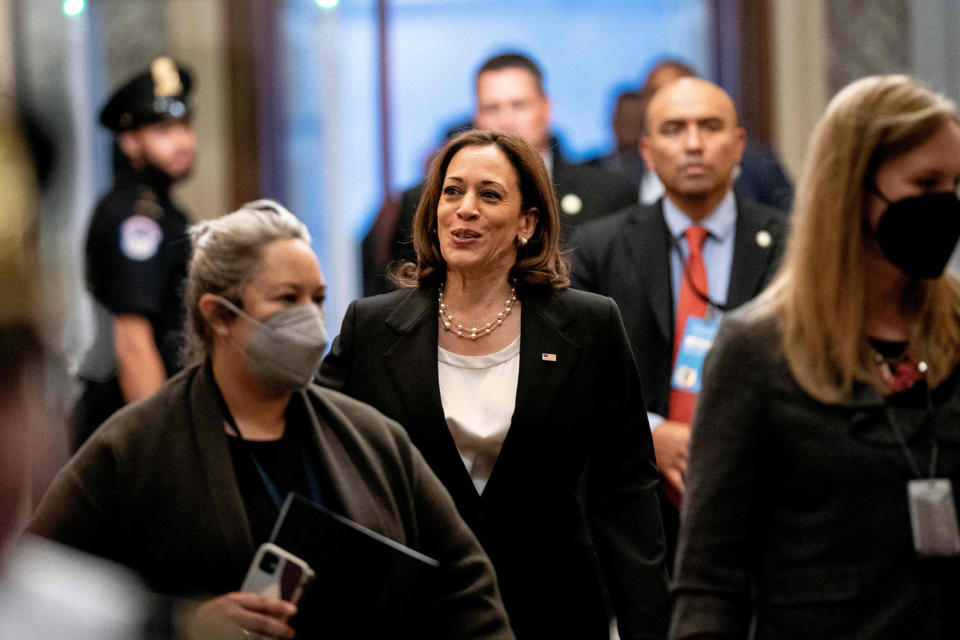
point(479, 394)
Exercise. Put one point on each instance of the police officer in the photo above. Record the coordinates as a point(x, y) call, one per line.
point(137, 247)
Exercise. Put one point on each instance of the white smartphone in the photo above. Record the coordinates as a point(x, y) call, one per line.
point(277, 573)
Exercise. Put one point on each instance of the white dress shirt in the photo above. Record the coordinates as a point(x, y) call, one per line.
point(717, 255)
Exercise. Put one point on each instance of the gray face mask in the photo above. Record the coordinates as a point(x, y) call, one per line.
point(285, 349)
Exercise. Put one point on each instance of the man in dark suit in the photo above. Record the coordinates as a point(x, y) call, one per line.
point(626, 124)
point(509, 97)
point(645, 259)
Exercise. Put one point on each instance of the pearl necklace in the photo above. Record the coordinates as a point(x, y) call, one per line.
point(449, 324)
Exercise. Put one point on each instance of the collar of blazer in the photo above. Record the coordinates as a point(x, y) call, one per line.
point(206, 419)
point(757, 247)
point(758, 242)
point(649, 243)
point(547, 357)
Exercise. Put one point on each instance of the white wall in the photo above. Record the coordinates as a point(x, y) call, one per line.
point(799, 40)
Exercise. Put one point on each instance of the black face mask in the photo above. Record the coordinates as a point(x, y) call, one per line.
point(918, 234)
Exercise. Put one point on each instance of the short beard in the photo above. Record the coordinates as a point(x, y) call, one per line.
point(145, 164)
point(183, 175)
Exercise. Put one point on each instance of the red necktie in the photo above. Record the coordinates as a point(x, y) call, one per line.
point(689, 304)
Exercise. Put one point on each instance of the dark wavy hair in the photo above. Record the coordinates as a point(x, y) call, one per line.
point(539, 262)
point(513, 60)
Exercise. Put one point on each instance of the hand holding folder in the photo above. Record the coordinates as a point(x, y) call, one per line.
point(367, 585)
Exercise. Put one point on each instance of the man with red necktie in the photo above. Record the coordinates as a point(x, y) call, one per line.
point(675, 266)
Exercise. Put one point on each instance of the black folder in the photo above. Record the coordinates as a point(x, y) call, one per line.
point(366, 585)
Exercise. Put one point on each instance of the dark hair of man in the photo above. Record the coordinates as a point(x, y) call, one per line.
point(682, 69)
point(539, 262)
point(513, 61)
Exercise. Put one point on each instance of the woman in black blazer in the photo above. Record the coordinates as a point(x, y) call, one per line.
point(832, 399)
point(522, 395)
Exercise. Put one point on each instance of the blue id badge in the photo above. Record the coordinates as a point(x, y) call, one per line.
point(697, 339)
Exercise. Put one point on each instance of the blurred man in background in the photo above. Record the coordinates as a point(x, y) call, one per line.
point(137, 248)
point(509, 96)
point(626, 124)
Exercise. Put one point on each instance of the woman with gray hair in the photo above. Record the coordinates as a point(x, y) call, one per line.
point(184, 486)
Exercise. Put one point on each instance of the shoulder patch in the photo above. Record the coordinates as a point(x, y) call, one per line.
point(140, 238)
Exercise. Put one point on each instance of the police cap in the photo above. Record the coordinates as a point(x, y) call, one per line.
point(161, 91)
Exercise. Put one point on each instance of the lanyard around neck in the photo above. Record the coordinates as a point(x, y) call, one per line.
point(703, 295)
point(902, 440)
point(268, 484)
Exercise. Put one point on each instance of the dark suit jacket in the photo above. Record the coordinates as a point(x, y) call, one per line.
point(547, 543)
point(627, 256)
point(154, 489)
point(796, 516)
point(598, 193)
point(762, 179)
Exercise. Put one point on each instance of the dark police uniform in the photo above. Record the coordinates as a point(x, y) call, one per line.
point(137, 248)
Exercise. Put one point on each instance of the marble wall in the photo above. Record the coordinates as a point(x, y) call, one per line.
point(866, 37)
point(820, 46)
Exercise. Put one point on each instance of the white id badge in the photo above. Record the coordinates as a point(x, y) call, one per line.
point(697, 339)
point(933, 517)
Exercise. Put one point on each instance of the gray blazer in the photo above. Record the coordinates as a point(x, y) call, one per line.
point(154, 489)
point(795, 517)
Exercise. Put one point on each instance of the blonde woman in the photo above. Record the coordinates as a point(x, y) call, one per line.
point(831, 401)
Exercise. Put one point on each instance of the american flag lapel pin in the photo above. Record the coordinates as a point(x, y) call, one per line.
point(548, 357)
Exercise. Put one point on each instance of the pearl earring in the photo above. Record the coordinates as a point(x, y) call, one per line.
point(522, 241)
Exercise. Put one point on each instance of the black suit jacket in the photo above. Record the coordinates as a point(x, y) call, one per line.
point(546, 537)
point(627, 256)
point(762, 179)
point(592, 193)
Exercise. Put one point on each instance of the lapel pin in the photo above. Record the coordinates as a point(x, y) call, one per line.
point(571, 204)
point(763, 238)
point(549, 357)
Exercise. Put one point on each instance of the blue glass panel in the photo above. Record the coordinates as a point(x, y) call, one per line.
point(588, 50)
